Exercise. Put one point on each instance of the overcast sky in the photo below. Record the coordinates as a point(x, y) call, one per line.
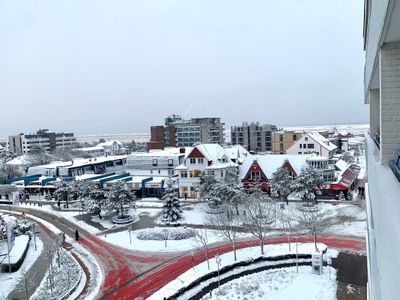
point(120, 66)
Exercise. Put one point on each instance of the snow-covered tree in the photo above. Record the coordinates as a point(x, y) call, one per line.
point(171, 206)
point(349, 195)
point(280, 184)
point(201, 238)
point(342, 197)
point(259, 215)
point(65, 192)
point(308, 184)
point(118, 198)
point(227, 224)
point(312, 220)
point(206, 185)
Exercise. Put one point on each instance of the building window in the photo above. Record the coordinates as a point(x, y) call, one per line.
point(255, 175)
point(281, 138)
point(305, 146)
point(306, 138)
point(294, 137)
point(170, 162)
point(301, 146)
point(184, 174)
point(299, 153)
point(192, 161)
point(222, 173)
point(281, 147)
point(200, 161)
point(155, 162)
point(310, 146)
point(211, 173)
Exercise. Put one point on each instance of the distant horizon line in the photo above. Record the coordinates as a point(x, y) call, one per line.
point(4, 139)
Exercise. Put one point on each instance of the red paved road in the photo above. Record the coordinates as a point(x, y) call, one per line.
point(147, 285)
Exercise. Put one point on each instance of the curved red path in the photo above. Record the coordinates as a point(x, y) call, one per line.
point(147, 285)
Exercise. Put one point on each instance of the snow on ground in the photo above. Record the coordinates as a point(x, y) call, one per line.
point(9, 280)
point(17, 250)
point(63, 279)
point(122, 239)
point(227, 259)
point(279, 284)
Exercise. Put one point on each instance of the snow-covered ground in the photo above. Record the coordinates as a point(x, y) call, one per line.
point(60, 279)
point(227, 259)
point(9, 280)
point(279, 284)
point(123, 240)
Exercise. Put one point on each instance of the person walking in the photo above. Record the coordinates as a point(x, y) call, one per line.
point(362, 192)
point(76, 235)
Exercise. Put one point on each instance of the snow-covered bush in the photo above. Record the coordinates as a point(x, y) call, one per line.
point(161, 234)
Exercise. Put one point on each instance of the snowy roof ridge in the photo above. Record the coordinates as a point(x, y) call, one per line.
point(316, 136)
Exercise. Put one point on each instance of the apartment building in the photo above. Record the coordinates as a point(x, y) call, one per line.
point(43, 138)
point(253, 136)
point(382, 94)
point(178, 132)
point(283, 140)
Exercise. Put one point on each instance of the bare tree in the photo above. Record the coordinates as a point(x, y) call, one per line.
point(228, 224)
point(28, 285)
point(259, 215)
point(287, 221)
point(311, 220)
point(201, 239)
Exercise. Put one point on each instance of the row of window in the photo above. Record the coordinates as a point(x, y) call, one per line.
point(199, 161)
point(170, 162)
point(305, 146)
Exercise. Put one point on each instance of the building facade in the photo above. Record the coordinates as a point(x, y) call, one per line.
point(283, 140)
point(253, 137)
point(313, 143)
point(178, 132)
point(43, 138)
point(382, 94)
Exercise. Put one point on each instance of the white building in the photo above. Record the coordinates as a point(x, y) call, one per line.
point(45, 139)
point(112, 147)
point(156, 162)
point(382, 93)
point(313, 142)
point(210, 158)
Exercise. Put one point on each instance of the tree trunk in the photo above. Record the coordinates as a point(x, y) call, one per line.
point(208, 262)
point(315, 241)
point(262, 246)
point(122, 211)
point(234, 249)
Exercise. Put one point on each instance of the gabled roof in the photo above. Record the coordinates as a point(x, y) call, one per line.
point(324, 142)
point(213, 152)
point(269, 163)
point(109, 143)
point(237, 152)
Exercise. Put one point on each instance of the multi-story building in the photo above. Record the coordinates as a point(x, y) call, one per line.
point(313, 143)
point(283, 140)
point(43, 138)
point(178, 132)
point(254, 137)
point(382, 93)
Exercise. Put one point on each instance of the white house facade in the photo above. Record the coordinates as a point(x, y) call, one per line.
point(313, 143)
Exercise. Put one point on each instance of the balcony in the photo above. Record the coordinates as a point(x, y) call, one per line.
point(383, 212)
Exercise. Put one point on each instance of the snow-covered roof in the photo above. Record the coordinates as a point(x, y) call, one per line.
point(89, 149)
point(20, 160)
point(324, 142)
point(269, 163)
point(109, 143)
point(163, 153)
point(341, 165)
point(213, 152)
point(237, 152)
point(220, 165)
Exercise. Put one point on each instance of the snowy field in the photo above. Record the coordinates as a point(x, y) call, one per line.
point(279, 284)
point(226, 259)
point(9, 280)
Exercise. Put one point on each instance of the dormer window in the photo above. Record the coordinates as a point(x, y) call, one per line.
point(192, 161)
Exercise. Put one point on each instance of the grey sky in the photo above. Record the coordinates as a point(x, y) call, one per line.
point(121, 66)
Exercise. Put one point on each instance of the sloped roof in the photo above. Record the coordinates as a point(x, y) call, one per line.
point(213, 152)
point(324, 142)
point(237, 152)
point(269, 163)
point(109, 143)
